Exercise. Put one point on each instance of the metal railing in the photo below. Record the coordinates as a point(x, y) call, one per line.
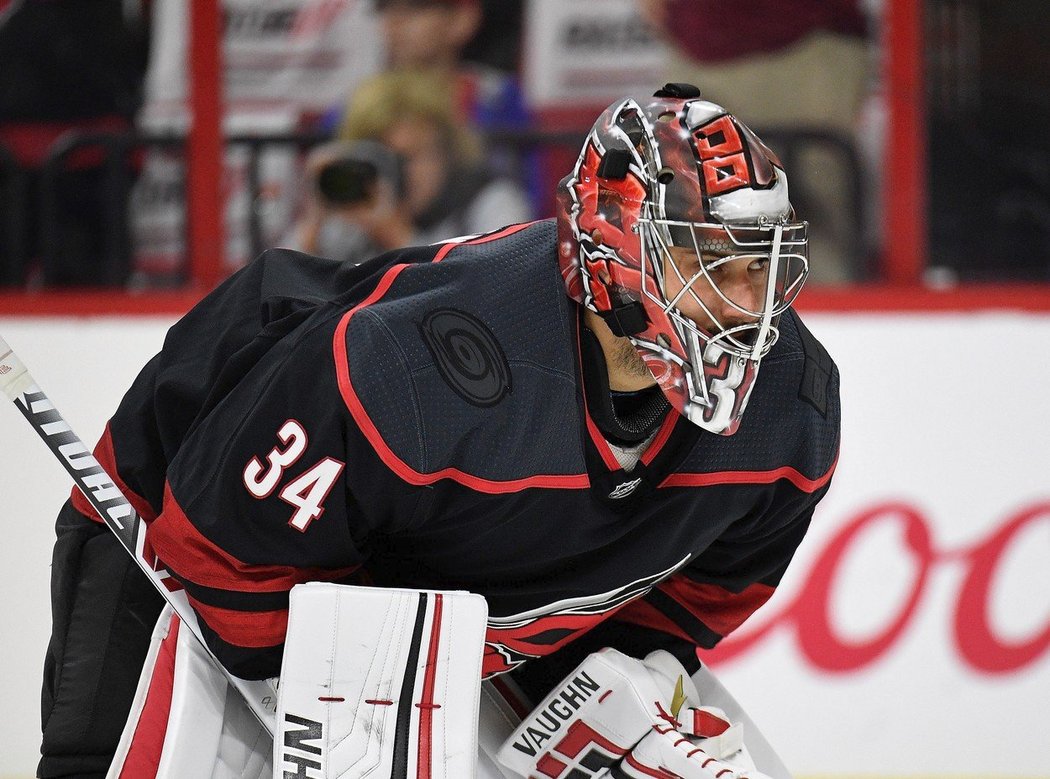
point(35, 210)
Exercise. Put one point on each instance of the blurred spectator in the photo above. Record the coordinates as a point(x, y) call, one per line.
point(66, 65)
point(354, 207)
point(433, 35)
point(803, 65)
point(443, 187)
point(474, 44)
point(285, 62)
point(718, 30)
point(427, 33)
point(497, 42)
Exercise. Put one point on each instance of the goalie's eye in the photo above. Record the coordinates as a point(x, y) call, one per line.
point(758, 265)
point(716, 265)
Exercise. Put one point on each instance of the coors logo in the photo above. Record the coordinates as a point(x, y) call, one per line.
point(978, 638)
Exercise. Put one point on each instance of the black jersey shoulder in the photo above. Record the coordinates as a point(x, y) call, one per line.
point(211, 349)
point(468, 362)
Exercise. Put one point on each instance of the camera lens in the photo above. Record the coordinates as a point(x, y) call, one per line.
point(347, 181)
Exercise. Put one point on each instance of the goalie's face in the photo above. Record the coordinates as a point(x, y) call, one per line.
point(692, 285)
point(722, 290)
point(728, 285)
point(677, 206)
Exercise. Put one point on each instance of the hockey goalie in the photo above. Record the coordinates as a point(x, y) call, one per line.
point(545, 457)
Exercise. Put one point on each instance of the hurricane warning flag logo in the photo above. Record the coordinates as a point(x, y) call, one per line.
point(511, 640)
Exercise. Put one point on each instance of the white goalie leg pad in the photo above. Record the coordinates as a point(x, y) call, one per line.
point(186, 720)
point(502, 707)
point(379, 683)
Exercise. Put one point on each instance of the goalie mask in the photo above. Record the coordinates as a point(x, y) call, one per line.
point(675, 227)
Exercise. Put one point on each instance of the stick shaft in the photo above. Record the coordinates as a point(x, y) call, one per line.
point(113, 507)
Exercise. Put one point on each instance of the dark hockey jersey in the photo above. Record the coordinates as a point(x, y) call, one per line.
point(420, 422)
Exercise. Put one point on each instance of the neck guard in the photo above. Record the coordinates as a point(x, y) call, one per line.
point(624, 417)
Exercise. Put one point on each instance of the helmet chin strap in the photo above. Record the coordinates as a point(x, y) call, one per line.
point(626, 316)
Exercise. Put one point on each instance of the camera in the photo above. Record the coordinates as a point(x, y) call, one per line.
point(351, 178)
point(347, 181)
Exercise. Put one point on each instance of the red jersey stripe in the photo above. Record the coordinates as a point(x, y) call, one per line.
point(106, 457)
point(194, 557)
point(792, 475)
point(252, 629)
point(644, 614)
point(450, 245)
point(602, 445)
point(719, 609)
point(661, 437)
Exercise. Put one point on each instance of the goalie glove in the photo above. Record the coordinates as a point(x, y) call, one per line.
point(669, 754)
point(620, 717)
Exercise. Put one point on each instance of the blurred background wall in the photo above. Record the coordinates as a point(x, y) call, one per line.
point(911, 636)
point(915, 130)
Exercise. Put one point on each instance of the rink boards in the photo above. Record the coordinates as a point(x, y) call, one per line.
point(911, 636)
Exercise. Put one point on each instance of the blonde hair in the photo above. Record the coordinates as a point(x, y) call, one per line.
point(385, 98)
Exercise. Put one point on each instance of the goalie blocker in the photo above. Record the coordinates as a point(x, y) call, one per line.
point(617, 717)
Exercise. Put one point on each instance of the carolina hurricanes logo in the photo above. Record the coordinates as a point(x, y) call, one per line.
point(512, 640)
point(467, 355)
point(721, 151)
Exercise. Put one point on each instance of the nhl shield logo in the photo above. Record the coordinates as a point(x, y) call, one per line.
point(625, 489)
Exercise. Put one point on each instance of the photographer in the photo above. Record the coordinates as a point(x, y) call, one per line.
point(450, 188)
point(353, 208)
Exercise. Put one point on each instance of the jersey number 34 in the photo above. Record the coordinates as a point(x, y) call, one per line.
point(307, 491)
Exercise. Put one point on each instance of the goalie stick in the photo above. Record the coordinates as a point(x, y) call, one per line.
point(113, 507)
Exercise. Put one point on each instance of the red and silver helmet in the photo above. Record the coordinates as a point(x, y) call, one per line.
point(678, 171)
